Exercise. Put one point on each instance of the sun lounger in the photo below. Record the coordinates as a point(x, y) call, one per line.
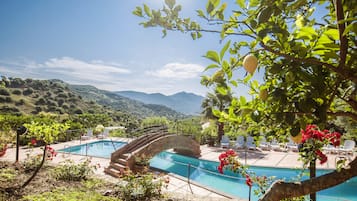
point(250, 143)
point(239, 143)
point(264, 145)
point(348, 147)
point(292, 146)
point(104, 134)
point(88, 135)
point(225, 141)
point(276, 146)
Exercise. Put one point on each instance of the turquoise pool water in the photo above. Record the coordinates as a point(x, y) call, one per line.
point(205, 172)
point(101, 148)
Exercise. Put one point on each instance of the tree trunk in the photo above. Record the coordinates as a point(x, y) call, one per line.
point(37, 169)
point(280, 189)
point(220, 131)
point(312, 175)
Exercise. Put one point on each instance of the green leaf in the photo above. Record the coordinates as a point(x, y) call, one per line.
point(216, 113)
point(147, 10)
point(222, 90)
point(211, 67)
point(241, 3)
point(164, 33)
point(193, 35)
point(170, 3)
point(242, 100)
point(224, 49)
point(253, 3)
point(212, 55)
point(200, 13)
point(138, 11)
point(332, 34)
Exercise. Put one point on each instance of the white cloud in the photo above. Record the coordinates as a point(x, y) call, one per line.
point(178, 71)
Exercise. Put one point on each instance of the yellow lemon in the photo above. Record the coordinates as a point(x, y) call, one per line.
point(250, 63)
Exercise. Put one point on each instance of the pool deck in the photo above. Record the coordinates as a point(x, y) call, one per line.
point(178, 184)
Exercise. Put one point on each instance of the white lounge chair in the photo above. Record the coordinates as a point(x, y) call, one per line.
point(330, 149)
point(240, 142)
point(264, 145)
point(348, 147)
point(225, 141)
point(88, 135)
point(276, 146)
point(292, 146)
point(104, 134)
point(250, 143)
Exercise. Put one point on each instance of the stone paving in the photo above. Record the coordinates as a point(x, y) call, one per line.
point(178, 184)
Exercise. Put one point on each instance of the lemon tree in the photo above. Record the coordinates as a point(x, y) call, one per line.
point(308, 59)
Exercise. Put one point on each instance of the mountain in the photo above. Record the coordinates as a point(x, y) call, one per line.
point(187, 103)
point(137, 108)
point(34, 96)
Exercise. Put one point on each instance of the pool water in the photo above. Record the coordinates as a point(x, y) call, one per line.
point(101, 148)
point(205, 172)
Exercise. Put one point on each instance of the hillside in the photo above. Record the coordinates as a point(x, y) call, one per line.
point(119, 102)
point(32, 96)
point(187, 103)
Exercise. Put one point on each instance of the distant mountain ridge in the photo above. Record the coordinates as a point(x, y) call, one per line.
point(183, 102)
point(116, 101)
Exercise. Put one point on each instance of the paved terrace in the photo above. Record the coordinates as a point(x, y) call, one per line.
point(178, 184)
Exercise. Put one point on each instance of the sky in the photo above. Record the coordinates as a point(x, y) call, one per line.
point(100, 43)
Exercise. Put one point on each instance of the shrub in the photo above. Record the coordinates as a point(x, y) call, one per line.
point(4, 92)
point(20, 102)
point(32, 162)
point(68, 194)
point(139, 187)
point(69, 171)
point(7, 174)
point(27, 91)
point(17, 92)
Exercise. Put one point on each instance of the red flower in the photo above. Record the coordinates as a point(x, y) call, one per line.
point(220, 169)
point(248, 181)
point(33, 142)
point(321, 156)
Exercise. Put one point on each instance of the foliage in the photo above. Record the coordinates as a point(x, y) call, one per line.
point(47, 132)
point(153, 121)
point(230, 161)
point(117, 133)
point(308, 59)
point(139, 187)
point(7, 174)
point(70, 171)
point(31, 162)
point(68, 194)
point(313, 141)
point(309, 65)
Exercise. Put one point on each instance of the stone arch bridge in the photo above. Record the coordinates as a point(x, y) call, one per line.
point(153, 140)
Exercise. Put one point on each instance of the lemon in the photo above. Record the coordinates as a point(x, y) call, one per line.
point(250, 63)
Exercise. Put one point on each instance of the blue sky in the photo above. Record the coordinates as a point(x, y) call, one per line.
point(100, 43)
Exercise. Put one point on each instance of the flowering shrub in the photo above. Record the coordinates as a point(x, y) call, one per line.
point(313, 141)
point(229, 160)
point(70, 171)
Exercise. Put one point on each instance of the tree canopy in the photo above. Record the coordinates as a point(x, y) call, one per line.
point(307, 50)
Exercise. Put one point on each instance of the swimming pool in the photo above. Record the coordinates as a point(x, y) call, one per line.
point(101, 148)
point(205, 172)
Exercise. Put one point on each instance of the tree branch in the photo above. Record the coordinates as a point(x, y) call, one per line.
point(341, 29)
point(345, 73)
point(345, 114)
point(281, 189)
